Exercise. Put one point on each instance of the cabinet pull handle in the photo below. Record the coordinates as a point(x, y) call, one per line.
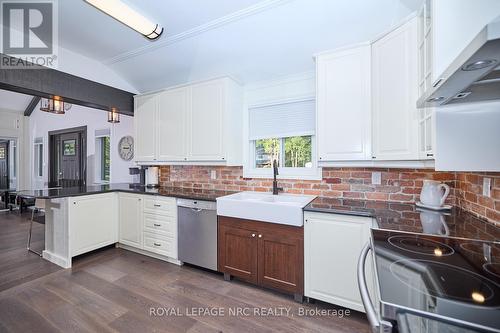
point(156, 205)
point(157, 225)
point(374, 156)
point(253, 235)
point(429, 155)
point(260, 236)
point(156, 244)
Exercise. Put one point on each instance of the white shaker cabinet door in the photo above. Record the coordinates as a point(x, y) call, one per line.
point(332, 245)
point(344, 104)
point(395, 90)
point(93, 222)
point(206, 121)
point(172, 116)
point(145, 128)
point(130, 219)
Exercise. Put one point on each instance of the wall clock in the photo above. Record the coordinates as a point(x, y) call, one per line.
point(126, 148)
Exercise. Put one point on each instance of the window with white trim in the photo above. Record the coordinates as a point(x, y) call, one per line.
point(103, 156)
point(284, 132)
point(38, 158)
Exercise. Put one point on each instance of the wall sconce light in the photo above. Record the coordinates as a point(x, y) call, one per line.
point(54, 105)
point(113, 116)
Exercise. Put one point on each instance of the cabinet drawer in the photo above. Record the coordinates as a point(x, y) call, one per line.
point(164, 206)
point(160, 244)
point(160, 224)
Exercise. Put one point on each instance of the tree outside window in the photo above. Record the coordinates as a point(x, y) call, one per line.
point(291, 152)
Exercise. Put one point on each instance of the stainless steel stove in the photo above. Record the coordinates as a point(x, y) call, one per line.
point(432, 283)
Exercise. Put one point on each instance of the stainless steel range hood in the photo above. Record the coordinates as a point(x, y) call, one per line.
point(474, 76)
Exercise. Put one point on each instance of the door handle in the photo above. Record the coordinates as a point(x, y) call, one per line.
point(196, 210)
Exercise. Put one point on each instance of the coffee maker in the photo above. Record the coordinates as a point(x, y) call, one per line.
point(145, 176)
point(152, 176)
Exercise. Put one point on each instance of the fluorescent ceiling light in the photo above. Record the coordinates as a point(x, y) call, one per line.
point(128, 16)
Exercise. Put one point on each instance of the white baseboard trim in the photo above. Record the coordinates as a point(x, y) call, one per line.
point(56, 259)
point(149, 254)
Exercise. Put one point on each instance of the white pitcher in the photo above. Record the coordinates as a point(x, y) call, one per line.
point(432, 193)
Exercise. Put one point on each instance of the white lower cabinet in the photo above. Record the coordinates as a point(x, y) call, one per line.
point(332, 245)
point(166, 246)
point(93, 222)
point(149, 223)
point(130, 226)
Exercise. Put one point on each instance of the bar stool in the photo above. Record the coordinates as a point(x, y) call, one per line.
point(40, 207)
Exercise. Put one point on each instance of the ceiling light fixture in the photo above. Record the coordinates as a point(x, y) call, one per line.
point(54, 105)
point(113, 116)
point(128, 16)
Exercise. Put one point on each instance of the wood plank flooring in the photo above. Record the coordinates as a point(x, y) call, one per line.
point(115, 290)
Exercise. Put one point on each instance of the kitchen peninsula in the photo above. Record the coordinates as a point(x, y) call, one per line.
point(82, 219)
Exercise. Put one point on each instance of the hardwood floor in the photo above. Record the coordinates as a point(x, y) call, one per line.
point(115, 290)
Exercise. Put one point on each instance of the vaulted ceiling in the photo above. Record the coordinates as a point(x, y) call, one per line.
point(249, 40)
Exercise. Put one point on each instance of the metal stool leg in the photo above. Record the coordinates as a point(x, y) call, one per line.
point(29, 236)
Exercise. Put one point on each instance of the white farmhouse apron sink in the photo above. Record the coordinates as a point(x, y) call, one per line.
point(258, 206)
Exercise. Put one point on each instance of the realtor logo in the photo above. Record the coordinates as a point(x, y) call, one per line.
point(29, 34)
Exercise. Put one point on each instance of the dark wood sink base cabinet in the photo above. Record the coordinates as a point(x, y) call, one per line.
point(266, 254)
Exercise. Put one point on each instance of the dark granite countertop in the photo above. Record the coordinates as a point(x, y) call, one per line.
point(407, 217)
point(177, 192)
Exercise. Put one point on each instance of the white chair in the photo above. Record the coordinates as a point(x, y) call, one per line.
point(39, 207)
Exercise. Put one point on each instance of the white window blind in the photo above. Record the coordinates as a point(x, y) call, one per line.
point(282, 120)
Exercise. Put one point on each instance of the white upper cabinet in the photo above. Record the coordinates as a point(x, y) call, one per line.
point(344, 104)
point(394, 94)
point(145, 120)
point(206, 121)
point(172, 124)
point(193, 124)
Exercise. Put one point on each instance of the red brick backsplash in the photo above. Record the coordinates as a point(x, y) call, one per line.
point(469, 193)
point(401, 185)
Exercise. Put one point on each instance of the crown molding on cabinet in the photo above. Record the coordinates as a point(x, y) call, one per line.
point(221, 21)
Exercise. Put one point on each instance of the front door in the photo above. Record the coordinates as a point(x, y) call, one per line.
point(4, 164)
point(67, 158)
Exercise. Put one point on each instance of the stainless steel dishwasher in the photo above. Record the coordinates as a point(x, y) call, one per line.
point(198, 232)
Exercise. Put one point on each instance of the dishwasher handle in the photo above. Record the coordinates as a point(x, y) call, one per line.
point(376, 324)
point(197, 205)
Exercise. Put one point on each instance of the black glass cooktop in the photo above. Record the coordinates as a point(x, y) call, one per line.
point(448, 278)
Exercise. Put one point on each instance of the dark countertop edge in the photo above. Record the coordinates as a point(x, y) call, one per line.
point(194, 196)
point(340, 211)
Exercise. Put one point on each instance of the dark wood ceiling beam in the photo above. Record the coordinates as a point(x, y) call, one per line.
point(46, 82)
point(31, 107)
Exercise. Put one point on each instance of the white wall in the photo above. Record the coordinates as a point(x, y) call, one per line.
point(13, 126)
point(40, 123)
point(456, 23)
point(76, 64)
